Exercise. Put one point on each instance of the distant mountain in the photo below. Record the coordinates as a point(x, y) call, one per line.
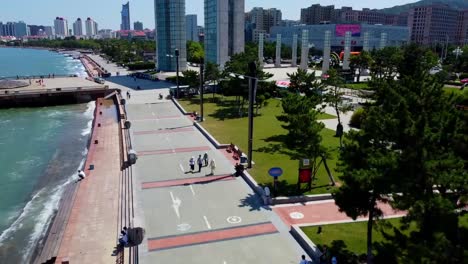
point(455, 4)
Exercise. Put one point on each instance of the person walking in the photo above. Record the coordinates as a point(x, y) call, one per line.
point(212, 166)
point(303, 260)
point(128, 94)
point(192, 164)
point(205, 159)
point(199, 162)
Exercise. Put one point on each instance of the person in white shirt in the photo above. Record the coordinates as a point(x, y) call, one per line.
point(212, 166)
point(81, 175)
point(303, 260)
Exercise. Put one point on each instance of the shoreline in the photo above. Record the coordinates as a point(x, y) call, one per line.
point(70, 192)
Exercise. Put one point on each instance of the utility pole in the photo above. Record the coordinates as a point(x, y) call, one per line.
point(177, 68)
point(252, 89)
point(202, 88)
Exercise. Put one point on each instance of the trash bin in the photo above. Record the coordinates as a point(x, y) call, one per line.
point(243, 158)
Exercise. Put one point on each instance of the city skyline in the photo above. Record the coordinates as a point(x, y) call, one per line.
point(44, 12)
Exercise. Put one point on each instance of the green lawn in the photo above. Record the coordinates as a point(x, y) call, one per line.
point(357, 86)
point(354, 235)
point(222, 121)
point(450, 89)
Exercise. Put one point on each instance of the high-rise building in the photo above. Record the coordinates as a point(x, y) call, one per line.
point(433, 24)
point(78, 27)
point(21, 29)
point(224, 29)
point(317, 14)
point(125, 25)
point(49, 31)
point(170, 34)
point(91, 27)
point(462, 28)
point(191, 27)
point(138, 25)
point(61, 26)
point(261, 20)
point(9, 29)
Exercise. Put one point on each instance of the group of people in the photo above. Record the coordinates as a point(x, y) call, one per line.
point(202, 162)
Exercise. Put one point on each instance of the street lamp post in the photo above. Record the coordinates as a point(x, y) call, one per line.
point(202, 88)
point(252, 91)
point(177, 68)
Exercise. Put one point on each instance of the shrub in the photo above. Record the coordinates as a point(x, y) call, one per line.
point(140, 66)
point(357, 118)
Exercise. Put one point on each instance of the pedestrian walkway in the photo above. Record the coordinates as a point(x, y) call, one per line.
point(321, 212)
point(196, 217)
point(90, 235)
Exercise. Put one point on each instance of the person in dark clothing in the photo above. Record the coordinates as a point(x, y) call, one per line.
point(239, 169)
point(199, 162)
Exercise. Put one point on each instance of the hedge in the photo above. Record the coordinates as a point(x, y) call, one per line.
point(357, 117)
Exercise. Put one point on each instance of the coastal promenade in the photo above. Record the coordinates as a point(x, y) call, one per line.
point(196, 217)
point(90, 233)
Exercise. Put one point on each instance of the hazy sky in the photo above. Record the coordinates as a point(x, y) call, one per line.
point(107, 12)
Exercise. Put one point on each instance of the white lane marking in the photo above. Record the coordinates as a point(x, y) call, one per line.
point(183, 227)
point(181, 168)
point(207, 223)
point(234, 219)
point(224, 262)
point(296, 215)
point(176, 202)
point(193, 191)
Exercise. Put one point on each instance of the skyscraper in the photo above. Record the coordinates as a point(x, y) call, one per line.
point(125, 25)
point(224, 29)
point(170, 32)
point(191, 27)
point(61, 26)
point(21, 29)
point(78, 27)
point(91, 27)
point(138, 25)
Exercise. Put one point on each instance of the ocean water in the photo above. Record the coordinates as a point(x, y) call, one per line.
point(41, 150)
point(32, 62)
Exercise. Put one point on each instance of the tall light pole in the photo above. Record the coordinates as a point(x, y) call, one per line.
point(202, 87)
point(177, 68)
point(252, 94)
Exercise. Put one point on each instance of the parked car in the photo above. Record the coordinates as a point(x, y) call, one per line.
point(99, 80)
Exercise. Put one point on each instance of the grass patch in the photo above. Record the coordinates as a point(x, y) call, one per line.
point(358, 86)
point(449, 89)
point(222, 121)
point(353, 236)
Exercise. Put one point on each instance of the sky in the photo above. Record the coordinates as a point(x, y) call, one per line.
point(107, 12)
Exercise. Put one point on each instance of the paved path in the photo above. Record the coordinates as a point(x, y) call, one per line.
point(90, 235)
point(321, 212)
point(196, 217)
point(110, 67)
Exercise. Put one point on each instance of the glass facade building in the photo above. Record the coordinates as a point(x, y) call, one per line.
point(170, 34)
point(125, 25)
point(224, 29)
point(396, 35)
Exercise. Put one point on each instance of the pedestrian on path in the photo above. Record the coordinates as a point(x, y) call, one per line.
point(192, 164)
point(81, 175)
point(128, 95)
point(199, 162)
point(205, 159)
point(303, 260)
point(212, 166)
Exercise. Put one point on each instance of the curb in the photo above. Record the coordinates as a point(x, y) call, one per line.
point(179, 106)
point(301, 238)
point(210, 137)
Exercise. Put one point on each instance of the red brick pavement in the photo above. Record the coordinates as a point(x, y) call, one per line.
point(187, 181)
point(90, 234)
point(319, 212)
point(211, 236)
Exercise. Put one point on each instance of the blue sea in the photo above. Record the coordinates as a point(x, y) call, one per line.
point(34, 62)
point(40, 151)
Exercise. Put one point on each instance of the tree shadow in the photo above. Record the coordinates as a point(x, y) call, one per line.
point(254, 202)
point(340, 251)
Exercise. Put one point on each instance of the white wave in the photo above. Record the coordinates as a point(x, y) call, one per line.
point(89, 113)
point(39, 209)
